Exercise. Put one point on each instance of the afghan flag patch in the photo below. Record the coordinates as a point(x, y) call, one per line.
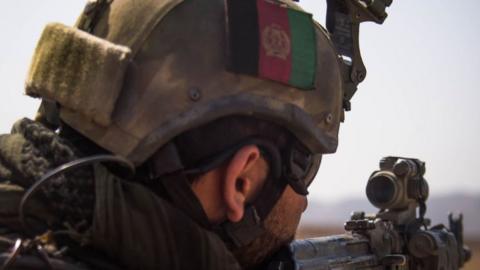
point(271, 41)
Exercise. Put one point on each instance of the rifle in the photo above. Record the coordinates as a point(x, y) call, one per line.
point(398, 237)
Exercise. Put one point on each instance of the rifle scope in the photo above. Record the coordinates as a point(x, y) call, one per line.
point(398, 184)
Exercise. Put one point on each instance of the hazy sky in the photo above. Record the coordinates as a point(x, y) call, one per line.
point(419, 99)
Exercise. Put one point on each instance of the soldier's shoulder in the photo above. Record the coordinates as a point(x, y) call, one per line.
point(21, 251)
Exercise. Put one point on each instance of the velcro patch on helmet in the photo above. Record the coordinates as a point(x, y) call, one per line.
point(81, 72)
point(271, 41)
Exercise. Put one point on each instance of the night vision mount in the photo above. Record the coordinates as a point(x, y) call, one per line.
point(343, 23)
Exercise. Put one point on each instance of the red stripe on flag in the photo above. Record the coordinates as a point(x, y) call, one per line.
point(275, 48)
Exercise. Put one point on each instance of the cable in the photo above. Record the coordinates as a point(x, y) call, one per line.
point(66, 168)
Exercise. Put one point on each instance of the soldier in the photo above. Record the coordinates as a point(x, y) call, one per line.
point(204, 123)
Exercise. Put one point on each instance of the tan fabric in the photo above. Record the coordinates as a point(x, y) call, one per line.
point(80, 71)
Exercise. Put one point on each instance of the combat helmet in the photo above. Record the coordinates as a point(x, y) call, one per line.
point(139, 73)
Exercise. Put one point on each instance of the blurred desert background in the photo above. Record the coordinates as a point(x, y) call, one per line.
point(321, 219)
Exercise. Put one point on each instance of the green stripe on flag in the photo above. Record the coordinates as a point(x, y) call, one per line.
point(303, 49)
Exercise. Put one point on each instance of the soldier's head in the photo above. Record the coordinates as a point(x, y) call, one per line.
point(241, 98)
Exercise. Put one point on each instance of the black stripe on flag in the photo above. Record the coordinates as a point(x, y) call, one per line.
point(243, 36)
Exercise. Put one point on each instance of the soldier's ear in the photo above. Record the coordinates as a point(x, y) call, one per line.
point(244, 177)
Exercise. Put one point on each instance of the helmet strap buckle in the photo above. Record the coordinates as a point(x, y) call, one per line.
point(246, 230)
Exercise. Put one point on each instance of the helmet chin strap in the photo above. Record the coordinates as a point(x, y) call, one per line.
point(174, 184)
point(251, 225)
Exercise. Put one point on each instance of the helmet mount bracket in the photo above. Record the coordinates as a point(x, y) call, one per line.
point(343, 22)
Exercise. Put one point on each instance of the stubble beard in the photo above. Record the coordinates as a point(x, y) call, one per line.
point(279, 230)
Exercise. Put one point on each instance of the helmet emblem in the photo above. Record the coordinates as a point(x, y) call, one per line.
point(276, 41)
